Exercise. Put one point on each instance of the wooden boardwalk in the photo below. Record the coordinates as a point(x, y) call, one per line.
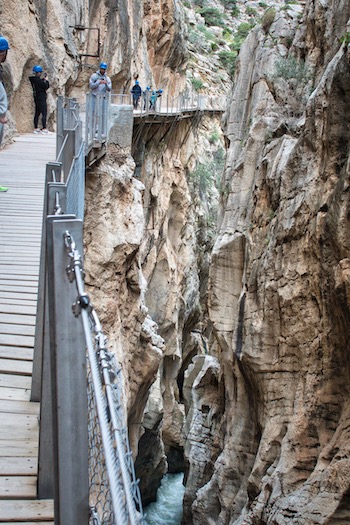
point(22, 170)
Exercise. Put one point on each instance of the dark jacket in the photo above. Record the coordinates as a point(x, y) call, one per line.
point(40, 86)
point(136, 91)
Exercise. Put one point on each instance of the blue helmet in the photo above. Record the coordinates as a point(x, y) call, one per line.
point(148, 88)
point(160, 91)
point(103, 65)
point(37, 69)
point(137, 82)
point(4, 45)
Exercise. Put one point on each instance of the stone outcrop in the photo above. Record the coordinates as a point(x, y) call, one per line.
point(278, 290)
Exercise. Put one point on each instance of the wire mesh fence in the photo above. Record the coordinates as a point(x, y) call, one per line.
point(76, 185)
point(114, 496)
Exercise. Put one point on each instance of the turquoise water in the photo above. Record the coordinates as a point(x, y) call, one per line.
point(167, 510)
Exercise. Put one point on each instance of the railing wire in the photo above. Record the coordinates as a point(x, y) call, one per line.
point(114, 493)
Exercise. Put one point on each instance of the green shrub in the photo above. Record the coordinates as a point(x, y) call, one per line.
point(214, 137)
point(243, 30)
point(290, 68)
point(206, 32)
point(345, 38)
point(229, 4)
point(228, 60)
point(208, 175)
point(268, 18)
point(212, 16)
point(232, 5)
point(250, 11)
point(197, 83)
point(202, 175)
point(262, 4)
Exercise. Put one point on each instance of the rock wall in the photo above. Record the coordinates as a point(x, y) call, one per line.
point(137, 39)
point(279, 281)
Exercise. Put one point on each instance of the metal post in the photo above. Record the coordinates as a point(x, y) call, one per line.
point(68, 367)
point(45, 484)
point(68, 153)
point(59, 124)
point(53, 172)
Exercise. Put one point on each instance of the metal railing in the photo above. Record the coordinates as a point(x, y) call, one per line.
point(170, 105)
point(96, 123)
point(85, 461)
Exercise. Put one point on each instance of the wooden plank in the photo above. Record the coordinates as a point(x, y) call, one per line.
point(26, 522)
point(10, 271)
point(13, 381)
point(17, 487)
point(18, 510)
point(14, 318)
point(19, 407)
point(16, 340)
point(19, 449)
point(16, 306)
point(24, 289)
point(18, 394)
point(17, 295)
point(12, 366)
point(19, 280)
point(18, 353)
point(23, 426)
point(17, 329)
point(18, 466)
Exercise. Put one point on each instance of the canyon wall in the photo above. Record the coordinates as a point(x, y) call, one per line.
point(279, 281)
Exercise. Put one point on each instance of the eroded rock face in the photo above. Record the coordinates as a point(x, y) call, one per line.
point(279, 282)
point(137, 39)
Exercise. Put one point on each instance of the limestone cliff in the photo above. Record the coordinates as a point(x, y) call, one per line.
point(279, 279)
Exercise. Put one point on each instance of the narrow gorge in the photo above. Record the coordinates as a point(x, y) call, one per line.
point(216, 247)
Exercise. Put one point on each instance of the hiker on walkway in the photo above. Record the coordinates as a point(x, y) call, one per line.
point(4, 47)
point(153, 100)
point(136, 94)
point(100, 84)
point(40, 86)
point(146, 97)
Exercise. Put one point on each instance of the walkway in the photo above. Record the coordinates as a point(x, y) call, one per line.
point(22, 169)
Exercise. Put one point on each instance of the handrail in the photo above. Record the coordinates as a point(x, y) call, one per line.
point(86, 447)
point(102, 369)
point(170, 105)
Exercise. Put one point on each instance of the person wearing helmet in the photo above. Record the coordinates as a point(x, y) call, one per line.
point(153, 100)
point(146, 97)
point(136, 94)
point(99, 82)
point(40, 86)
point(4, 47)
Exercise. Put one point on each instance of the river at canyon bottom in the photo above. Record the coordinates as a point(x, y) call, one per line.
point(167, 510)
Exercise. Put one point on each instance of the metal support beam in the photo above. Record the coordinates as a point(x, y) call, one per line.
point(68, 373)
